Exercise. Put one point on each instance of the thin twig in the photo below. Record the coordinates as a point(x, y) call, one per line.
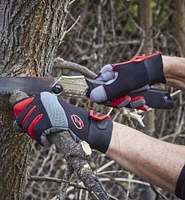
point(158, 192)
point(133, 115)
point(56, 180)
point(124, 180)
point(68, 30)
point(64, 184)
point(175, 93)
point(142, 31)
point(105, 166)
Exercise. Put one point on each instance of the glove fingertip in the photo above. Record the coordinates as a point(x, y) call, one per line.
point(105, 68)
point(21, 105)
point(17, 128)
point(143, 108)
point(137, 102)
point(44, 140)
point(121, 101)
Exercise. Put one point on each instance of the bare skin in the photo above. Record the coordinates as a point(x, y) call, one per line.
point(174, 71)
point(155, 161)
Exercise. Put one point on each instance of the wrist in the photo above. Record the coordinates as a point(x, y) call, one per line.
point(167, 67)
point(100, 132)
point(174, 71)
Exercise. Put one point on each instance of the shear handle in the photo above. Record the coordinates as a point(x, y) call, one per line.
point(155, 98)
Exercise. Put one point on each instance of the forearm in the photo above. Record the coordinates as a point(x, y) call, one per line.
point(155, 161)
point(174, 71)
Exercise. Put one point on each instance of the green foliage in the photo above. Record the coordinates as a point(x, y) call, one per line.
point(161, 10)
point(82, 2)
point(130, 27)
point(133, 9)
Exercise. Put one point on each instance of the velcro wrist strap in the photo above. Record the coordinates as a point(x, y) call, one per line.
point(100, 131)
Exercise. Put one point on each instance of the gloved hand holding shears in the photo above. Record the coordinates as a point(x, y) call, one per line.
point(117, 83)
point(45, 113)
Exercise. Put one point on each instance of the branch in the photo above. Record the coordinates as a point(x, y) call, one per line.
point(158, 192)
point(141, 29)
point(130, 115)
point(56, 180)
point(64, 184)
point(76, 155)
point(60, 63)
point(67, 31)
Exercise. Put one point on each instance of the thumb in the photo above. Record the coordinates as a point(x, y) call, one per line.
point(98, 94)
point(96, 88)
point(106, 74)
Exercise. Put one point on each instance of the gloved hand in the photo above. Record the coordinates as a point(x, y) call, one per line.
point(45, 113)
point(121, 78)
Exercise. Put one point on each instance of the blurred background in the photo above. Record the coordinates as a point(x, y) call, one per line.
point(99, 32)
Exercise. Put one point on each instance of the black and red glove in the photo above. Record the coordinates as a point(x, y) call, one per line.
point(121, 78)
point(45, 113)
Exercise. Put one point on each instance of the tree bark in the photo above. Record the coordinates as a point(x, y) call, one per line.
point(13, 153)
point(29, 37)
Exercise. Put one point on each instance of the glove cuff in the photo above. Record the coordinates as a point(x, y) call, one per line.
point(154, 67)
point(100, 131)
point(180, 185)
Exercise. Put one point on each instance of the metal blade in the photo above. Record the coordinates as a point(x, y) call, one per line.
point(73, 86)
point(30, 85)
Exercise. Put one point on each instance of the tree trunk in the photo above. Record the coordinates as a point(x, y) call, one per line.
point(29, 37)
point(145, 18)
point(178, 24)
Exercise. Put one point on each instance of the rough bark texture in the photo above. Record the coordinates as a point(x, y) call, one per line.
point(29, 36)
point(13, 154)
point(30, 33)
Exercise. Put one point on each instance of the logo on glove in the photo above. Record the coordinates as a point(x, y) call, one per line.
point(77, 121)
